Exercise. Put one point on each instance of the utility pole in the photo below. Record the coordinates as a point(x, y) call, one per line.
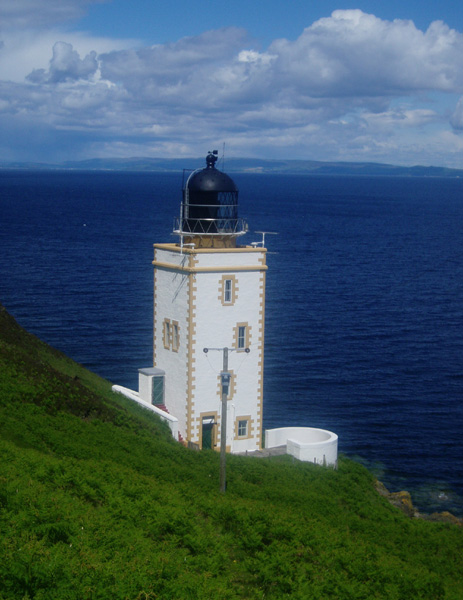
point(225, 379)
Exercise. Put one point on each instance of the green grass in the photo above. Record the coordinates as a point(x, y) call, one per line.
point(98, 502)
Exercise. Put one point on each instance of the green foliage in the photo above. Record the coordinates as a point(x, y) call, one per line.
point(97, 501)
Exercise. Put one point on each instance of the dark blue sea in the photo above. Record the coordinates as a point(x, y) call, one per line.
point(364, 316)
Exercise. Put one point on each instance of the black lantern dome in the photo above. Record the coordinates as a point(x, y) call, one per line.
point(210, 205)
point(210, 180)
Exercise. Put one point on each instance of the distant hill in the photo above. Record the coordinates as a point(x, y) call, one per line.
point(98, 501)
point(242, 165)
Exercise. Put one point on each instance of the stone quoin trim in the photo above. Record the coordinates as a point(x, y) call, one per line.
point(191, 359)
point(154, 314)
point(261, 340)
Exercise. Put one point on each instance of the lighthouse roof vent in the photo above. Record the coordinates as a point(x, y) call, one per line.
point(211, 179)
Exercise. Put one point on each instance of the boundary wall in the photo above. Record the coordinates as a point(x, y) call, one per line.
point(171, 420)
point(307, 444)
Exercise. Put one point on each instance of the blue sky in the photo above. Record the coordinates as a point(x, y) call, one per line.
point(369, 81)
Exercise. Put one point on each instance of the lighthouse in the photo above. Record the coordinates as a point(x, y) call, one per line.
point(207, 376)
point(209, 303)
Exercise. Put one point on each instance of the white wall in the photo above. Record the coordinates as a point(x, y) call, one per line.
point(307, 444)
point(215, 328)
point(171, 302)
point(192, 297)
point(170, 419)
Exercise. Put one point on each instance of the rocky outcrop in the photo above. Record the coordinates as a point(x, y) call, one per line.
point(403, 501)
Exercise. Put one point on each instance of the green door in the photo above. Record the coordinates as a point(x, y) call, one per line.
point(207, 436)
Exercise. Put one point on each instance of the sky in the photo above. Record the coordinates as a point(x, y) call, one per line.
point(365, 80)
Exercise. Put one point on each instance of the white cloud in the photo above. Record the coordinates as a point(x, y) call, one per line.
point(355, 54)
point(66, 65)
point(331, 93)
point(186, 66)
point(23, 52)
point(349, 55)
point(251, 56)
point(400, 117)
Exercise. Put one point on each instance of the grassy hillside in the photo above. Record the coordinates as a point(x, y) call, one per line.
point(98, 502)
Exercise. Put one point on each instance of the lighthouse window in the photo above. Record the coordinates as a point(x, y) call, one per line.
point(166, 334)
point(175, 336)
point(243, 427)
point(228, 290)
point(171, 335)
point(242, 336)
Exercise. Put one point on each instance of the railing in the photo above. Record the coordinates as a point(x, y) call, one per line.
point(202, 226)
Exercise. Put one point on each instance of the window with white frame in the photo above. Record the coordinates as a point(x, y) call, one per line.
point(166, 334)
point(175, 336)
point(242, 336)
point(171, 335)
point(228, 290)
point(242, 428)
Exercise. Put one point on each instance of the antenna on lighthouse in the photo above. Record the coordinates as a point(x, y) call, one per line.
point(262, 242)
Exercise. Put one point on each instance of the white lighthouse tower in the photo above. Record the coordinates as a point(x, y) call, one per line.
point(209, 301)
point(209, 309)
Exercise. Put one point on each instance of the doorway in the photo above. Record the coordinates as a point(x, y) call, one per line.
point(208, 433)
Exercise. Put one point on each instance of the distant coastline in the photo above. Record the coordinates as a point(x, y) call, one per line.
point(241, 165)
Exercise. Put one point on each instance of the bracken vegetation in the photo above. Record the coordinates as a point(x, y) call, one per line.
point(98, 502)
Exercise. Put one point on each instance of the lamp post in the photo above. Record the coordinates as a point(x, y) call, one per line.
point(225, 379)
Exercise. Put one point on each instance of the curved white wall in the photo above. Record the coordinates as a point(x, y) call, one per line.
point(305, 443)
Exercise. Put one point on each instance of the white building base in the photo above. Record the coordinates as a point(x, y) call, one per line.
point(306, 444)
